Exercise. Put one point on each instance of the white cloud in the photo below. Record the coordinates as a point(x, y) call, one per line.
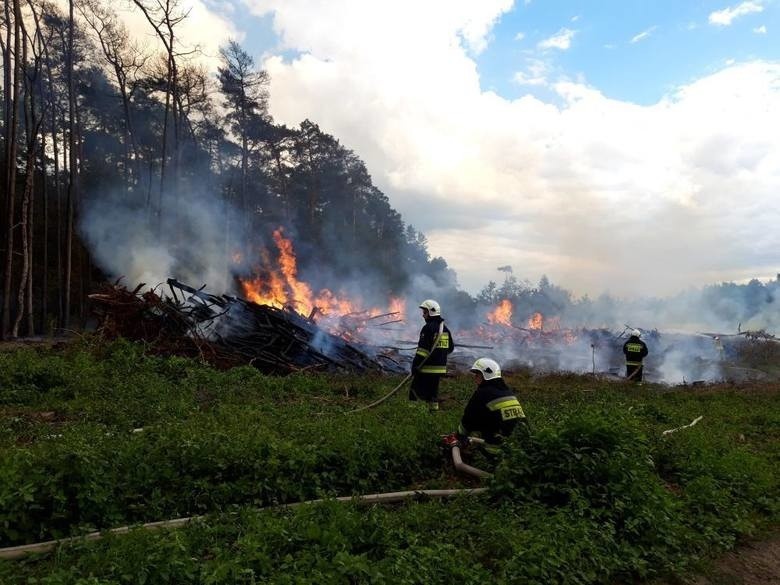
point(726, 16)
point(643, 35)
point(560, 40)
point(594, 192)
point(536, 73)
point(520, 36)
point(760, 30)
point(524, 78)
point(384, 22)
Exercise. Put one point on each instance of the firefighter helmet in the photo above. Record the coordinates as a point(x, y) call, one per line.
point(433, 308)
point(636, 333)
point(487, 367)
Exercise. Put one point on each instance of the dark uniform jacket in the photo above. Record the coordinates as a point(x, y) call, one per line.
point(436, 362)
point(493, 411)
point(635, 350)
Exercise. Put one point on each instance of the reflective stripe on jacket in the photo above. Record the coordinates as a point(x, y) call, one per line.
point(493, 411)
point(435, 358)
point(635, 350)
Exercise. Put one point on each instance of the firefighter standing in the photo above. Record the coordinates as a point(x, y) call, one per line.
point(430, 359)
point(719, 348)
point(493, 411)
point(635, 351)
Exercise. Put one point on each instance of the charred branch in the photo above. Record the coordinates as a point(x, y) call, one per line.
point(227, 331)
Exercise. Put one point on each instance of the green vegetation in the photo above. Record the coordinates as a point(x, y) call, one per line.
point(595, 494)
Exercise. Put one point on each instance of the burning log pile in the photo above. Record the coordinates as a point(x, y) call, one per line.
point(554, 349)
point(226, 331)
point(289, 329)
point(354, 326)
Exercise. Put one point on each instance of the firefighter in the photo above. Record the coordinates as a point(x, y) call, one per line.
point(430, 359)
point(719, 348)
point(492, 413)
point(635, 351)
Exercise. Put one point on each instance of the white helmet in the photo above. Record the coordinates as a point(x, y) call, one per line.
point(487, 367)
point(636, 333)
point(434, 310)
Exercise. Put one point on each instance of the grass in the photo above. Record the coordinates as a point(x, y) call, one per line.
point(596, 493)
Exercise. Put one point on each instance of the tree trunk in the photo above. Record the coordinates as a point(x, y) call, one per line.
point(57, 194)
point(32, 128)
point(24, 224)
point(25, 240)
point(244, 170)
point(82, 256)
point(150, 186)
point(164, 154)
point(5, 322)
point(7, 77)
point(72, 180)
point(59, 219)
point(282, 182)
point(44, 239)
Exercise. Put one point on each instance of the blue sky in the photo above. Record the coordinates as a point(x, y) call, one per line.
point(677, 44)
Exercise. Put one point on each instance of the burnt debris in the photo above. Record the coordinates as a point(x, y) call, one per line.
point(227, 331)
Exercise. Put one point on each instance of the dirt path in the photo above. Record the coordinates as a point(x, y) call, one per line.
point(752, 563)
point(35, 342)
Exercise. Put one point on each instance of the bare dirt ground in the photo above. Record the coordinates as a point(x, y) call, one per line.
point(39, 341)
point(751, 563)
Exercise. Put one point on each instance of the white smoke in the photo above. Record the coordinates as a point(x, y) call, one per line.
point(189, 246)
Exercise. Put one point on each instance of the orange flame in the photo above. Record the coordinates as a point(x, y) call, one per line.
point(397, 305)
point(279, 286)
point(502, 314)
point(536, 321)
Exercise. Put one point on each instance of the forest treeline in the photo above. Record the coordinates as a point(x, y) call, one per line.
point(90, 114)
point(94, 120)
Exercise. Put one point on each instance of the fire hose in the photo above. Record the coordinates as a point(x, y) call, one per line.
point(457, 460)
point(22, 551)
point(406, 379)
point(385, 397)
point(639, 368)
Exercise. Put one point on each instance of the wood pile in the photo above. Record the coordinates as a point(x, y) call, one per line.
point(227, 331)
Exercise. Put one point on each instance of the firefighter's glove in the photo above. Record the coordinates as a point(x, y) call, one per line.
point(450, 440)
point(463, 440)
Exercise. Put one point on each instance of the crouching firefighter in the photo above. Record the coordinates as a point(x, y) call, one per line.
point(493, 411)
point(430, 359)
